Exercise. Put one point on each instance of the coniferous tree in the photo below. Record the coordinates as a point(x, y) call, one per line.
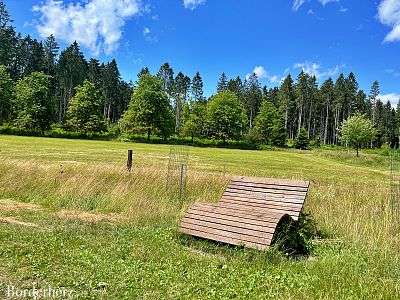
point(286, 98)
point(71, 72)
point(327, 94)
point(8, 38)
point(166, 74)
point(222, 83)
point(6, 94)
point(373, 98)
point(197, 88)
point(181, 94)
point(111, 80)
point(143, 71)
point(253, 98)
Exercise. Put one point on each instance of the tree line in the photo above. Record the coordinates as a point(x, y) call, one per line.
point(41, 86)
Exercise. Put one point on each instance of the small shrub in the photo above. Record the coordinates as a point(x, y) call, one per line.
point(295, 237)
point(302, 141)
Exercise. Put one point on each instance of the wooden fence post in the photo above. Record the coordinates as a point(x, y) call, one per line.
point(129, 161)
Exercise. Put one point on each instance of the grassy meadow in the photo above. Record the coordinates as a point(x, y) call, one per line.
point(72, 216)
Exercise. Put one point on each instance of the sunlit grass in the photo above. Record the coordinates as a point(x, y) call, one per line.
point(349, 199)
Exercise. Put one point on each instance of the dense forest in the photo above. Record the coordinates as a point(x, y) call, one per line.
point(44, 87)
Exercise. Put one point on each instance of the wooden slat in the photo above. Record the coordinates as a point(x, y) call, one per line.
point(283, 182)
point(231, 221)
point(228, 234)
point(265, 190)
point(264, 205)
point(245, 233)
point(293, 214)
point(269, 186)
point(223, 239)
point(263, 202)
point(264, 197)
point(254, 217)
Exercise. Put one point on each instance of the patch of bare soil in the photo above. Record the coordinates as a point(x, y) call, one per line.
point(11, 205)
point(13, 221)
point(89, 217)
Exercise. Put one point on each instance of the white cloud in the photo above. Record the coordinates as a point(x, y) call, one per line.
point(148, 36)
point(297, 4)
point(393, 98)
point(325, 2)
point(389, 14)
point(146, 31)
point(262, 73)
point(193, 4)
point(95, 24)
point(314, 69)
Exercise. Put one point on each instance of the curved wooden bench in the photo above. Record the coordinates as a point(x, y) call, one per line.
point(248, 212)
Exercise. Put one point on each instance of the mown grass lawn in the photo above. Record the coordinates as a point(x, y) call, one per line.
point(102, 232)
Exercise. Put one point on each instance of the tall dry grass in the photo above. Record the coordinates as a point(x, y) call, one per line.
point(143, 194)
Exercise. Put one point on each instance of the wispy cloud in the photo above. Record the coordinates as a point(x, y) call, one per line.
point(393, 98)
point(95, 24)
point(148, 35)
point(325, 2)
point(262, 73)
point(389, 14)
point(395, 73)
point(193, 4)
point(315, 69)
point(297, 4)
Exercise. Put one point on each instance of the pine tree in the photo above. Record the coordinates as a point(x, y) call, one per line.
point(8, 38)
point(373, 97)
point(327, 94)
point(197, 88)
point(302, 141)
point(51, 49)
point(253, 98)
point(181, 94)
point(301, 96)
point(222, 83)
point(286, 98)
point(7, 94)
point(71, 72)
point(111, 80)
point(143, 71)
point(166, 74)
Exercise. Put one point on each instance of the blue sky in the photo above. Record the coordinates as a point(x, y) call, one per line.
point(272, 38)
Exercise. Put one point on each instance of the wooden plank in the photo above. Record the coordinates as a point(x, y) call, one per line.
point(227, 220)
point(234, 217)
point(293, 214)
point(223, 239)
point(264, 197)
point(265, 190)
point(264, 205)
point(270, 186)
point(262, 202)
point(229, 234)
point(245, 233)
point(256, 218)
point(283, 182)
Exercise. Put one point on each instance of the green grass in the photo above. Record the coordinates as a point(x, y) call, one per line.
point(142, 256)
